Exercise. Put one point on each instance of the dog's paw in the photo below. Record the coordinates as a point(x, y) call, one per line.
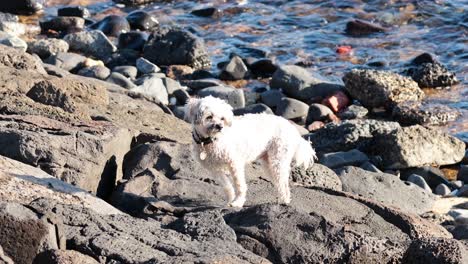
point(238, 203)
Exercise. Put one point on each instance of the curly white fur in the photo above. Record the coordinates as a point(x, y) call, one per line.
point(238, 141)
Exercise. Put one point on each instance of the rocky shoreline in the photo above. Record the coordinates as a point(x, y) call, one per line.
point(95, 163)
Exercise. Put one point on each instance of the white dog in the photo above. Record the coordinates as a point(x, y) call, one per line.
point(225, 144)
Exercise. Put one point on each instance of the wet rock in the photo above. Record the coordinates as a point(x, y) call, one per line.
point(337, 101)
point(424, 58)
point(203, 83)
point(318, 112)
point(416, 113)
point(387, 189)
point(171, 47)
point(381, 88)
point(348, 134)
point(63, 257)
point(112, 25)
point(272, 98)
point(13, 58)
point(263, 68)
point(146, 67)
point(234, 97)
point(13, 41)
point(416, 146)
point(253, 109)
point(68, 61)
point(61, 23)
point(463, 173)
point(235, 69)
point(142, 20)
point(340, 159)
point(377, 63)
point(21, 6)
point(436, 250)
point(207, 12)
point(98, 72)
point(317, 175)
point(362, 28)
point(433, 75)
point(152, 86)
point(419, 181)
point(24, 234)
point(45, 48)
point(74, 11)
point(292, 109)
point(134, 40)
point(298, 83)
point(121, 80)
point(92, 43)
point(353, 112)
point(442, 189)
point(127, 71)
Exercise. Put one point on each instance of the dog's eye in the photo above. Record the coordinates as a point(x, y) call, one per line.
point(209, 117)
point(222, 118)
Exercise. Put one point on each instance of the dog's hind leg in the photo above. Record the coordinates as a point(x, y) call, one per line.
point(279, 165)
point(238, 178)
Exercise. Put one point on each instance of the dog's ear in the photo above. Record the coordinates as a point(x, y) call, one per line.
point(229, 116)
point(191, 109)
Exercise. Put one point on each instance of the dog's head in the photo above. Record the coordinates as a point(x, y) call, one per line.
point(208, 115)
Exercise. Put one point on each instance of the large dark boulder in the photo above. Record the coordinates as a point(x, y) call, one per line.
point(21, 6)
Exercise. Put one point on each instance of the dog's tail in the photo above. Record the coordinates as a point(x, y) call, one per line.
point(305, 154)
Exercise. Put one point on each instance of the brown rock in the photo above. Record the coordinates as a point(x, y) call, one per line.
point(19, 60)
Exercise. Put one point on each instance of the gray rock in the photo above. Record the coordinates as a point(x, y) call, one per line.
point(45, 48)
point(234, 97)
point(459, 232)
point(8, 17)
point(171, 85)
point(458, 184)
point(318, 112)
point(93, 43)
point(433, 176)
point(235, 69)
point(24, 234)
point(433, 75)
point(203, 83)
point(272, 98)
point(381, 88)
point(98, 72)
point(317, 175)
point(298, 83)
point(179, 112)
point(442, 189)
point(416, 146)
point(368, 166)
point(340, 159)
point(292, 109)
point(13, 28)
point(152, 86)
point(348, 134)
point(177, 47)
point(55, 70)
point(62, 257)
point(142, 20)
point(419, 181)
point(67, 61)
point(146, 67)
point(253, 109)
point(463, 173)
point(62, 24)
point(386, 188)
point(415, 113)
point(119, 79)
point(463, 191)
point(436, 250)
point(182, 96)
point(353, 112)
point(13, 58)
point(127, 71)
point(13, 41)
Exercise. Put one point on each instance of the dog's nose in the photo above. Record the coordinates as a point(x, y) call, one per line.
point(218, 127)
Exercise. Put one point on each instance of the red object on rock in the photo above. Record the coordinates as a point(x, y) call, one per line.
point(337, 101)
point(344, 49)
point(315, 125)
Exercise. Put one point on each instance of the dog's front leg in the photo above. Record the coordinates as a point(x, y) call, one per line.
point(228, 187)
point(238, 177)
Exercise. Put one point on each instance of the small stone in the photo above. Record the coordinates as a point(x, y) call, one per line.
point(315, 126)
point(433, 75)
point(458, 184)
point(171, 85)
point(146, 67)
point(179, 72)
point(234, 97)
point(142, 20)
point(337, 101)
point(419, 181)
point(68, 61)
point(203, 83)
point(368, 166)
point(361, 28)
point(442, 189)
point(424, 58)
point(112, 25)
point(134, 40)
point(263, 68)
point(253, 109)
point(93, 43)
point(353, 112)
point(98, 72)
point(340, 159)
point(272, 98)
point(119, 79)
point(74, 11)
point(292, 109)
point(207, 12)
point(152, 85)
point(45, 48)
point(234, 70)
point(13, 28)
point(62, 23)
point(318, 112)
point(127, 71)
point(13, 41)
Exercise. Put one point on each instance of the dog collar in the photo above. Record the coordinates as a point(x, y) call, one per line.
point(199, 140)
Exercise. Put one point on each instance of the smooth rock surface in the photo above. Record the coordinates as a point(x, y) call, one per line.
point(419, 181)
point(234, 97)
point(292, 109)
point(152, 86)
point(340, 159)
